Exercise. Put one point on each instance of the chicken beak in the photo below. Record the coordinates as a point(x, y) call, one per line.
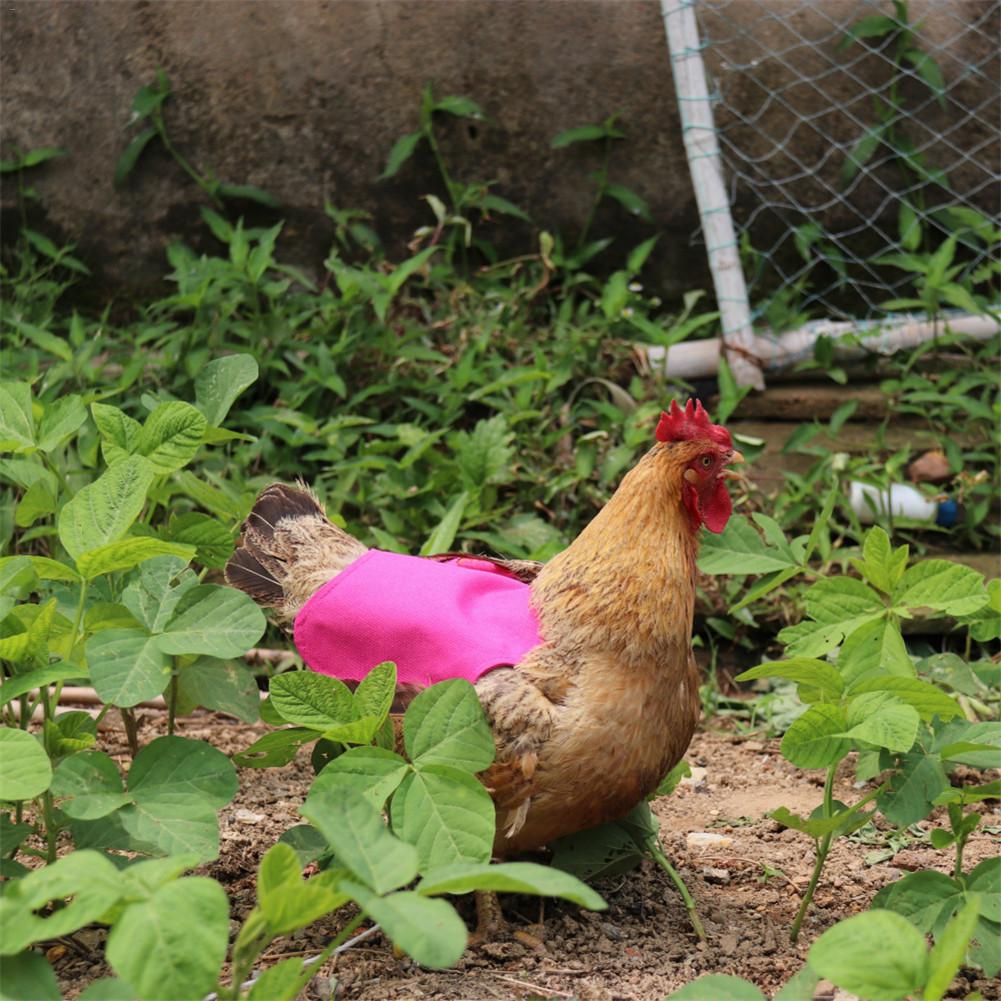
point(735, 460)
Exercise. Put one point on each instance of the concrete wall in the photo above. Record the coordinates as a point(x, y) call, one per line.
point(305, 98)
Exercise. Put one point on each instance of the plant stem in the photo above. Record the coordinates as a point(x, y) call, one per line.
point(657, 853)
point(131, 731)
point(172, 700)
point(598, 195)
point(823, 847)
point(51, 828)
point(161, 129)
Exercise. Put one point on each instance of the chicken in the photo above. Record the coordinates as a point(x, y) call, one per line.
point(605, 699)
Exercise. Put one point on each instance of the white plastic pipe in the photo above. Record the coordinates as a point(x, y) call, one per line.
point(702, 150)
point(700, 359)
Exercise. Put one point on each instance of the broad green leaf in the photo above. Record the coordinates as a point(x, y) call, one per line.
point(313, 700)
point(26, 771)
point(510, 877)
point(985, 879)
point(127, 666)
point(841, 605)
point(89, 786)
point(109, 615)
point(225, 686)
point(948, 953)
point(358, 836)
point(878, 955)
point(927, 699)
point(842, 822)
point(119, 432)
point(38, 502)
point(168, 827)
point(815, 740)
point(883, 720)
point(127, 553)
point(580, 133)
point(445, 725)
point(881, 563)
point(718, 987)
point(103, 511)
point(372, 772)
point(87, 877)
point(215, 621)
point(20, 684)
point(171, 435)
point(130, 155)
point(153, 596)
point(173, 944)
point(374, 694)
point(918, 780)
point(211, 538)
point(961, 731)
point(17, 426)
point(47, 569)
point(17, 578)
point(306, 841)
point(274, 749)
point(806, 671)
point(28, 975)
point(739, 549)
point(180, 770)
point(873, 651)
point(220, 382)
point(69, 733)
point(427, 930)
point(926, 898)
point(108, 989)
point(941, 585)
point(446, 814)
point(286, 899)
point(283, 981)
point(60, 420)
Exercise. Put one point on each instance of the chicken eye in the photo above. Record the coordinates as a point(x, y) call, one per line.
point(706, 461)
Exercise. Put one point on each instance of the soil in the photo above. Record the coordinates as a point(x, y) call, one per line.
point(747, 886)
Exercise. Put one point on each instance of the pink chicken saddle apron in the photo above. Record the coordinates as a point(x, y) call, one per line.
point(435, 620)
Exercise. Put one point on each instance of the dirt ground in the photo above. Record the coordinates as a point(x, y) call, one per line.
point(747, 886)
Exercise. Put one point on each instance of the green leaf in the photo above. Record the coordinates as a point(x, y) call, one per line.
point(883, 720)
point(212, 540)
point(104, 510)
point(131, 153)
point(119, 432)
point(941, 585)
point(445, 725)
point(17, 426)
point(375, 692)
point(403, 150)
point(60, 420)
point(510, 877)
point(927, 699)
point(816, 674)
point(172, 434)
point(250, 193)
point(274, 749)
point(639, 255)
point(286, 899)
point(154, 945)
point(629, 200)
point(108, 989)
point(38, 502)
point(843, 821)
point(872, 652)
point(282, 982)
point(225, 686)
point(718, 987)
point(429, 931)
point(89, 786)
point(20, 684)
point(213, 620)
point(948, 953)
point(36, 156)
point(17, 579)
point(882, 564)
point(739, 549)
point(355, 831)
point(313, 700)
point(127, 553)
point(917, 781)
point(87, 877)
point(154, 595)
point(26, 770)
point(441, 539)
point(128, 666)
point(815, 740)
point(28, 975)
point(878, 955)
point(462, 107)
point(838, 606)
point(582, 133)
point(220, 382)
point(446, 814)
point(372, 772)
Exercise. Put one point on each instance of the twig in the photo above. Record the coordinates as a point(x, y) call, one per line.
point(532, 987)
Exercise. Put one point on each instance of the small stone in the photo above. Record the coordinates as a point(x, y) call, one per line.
point(932, 467)
point(719, 876)
point(247, 816)
point(696, 779)
point(612, 931)
point(753, 745)
point(728, 944)
point(824, 991)
point(706, 839)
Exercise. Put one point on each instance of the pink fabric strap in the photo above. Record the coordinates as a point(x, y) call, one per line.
point(436, 620)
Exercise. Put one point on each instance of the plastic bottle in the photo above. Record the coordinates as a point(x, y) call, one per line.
point(901, 501)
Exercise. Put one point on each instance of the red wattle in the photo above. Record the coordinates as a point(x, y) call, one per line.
point(717, 512)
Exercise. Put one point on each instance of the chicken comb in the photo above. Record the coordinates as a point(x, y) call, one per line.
point(692, 422)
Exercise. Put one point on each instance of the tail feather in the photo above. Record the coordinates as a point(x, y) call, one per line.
point(288, 549)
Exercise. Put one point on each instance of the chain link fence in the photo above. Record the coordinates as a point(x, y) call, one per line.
point(858, 137)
